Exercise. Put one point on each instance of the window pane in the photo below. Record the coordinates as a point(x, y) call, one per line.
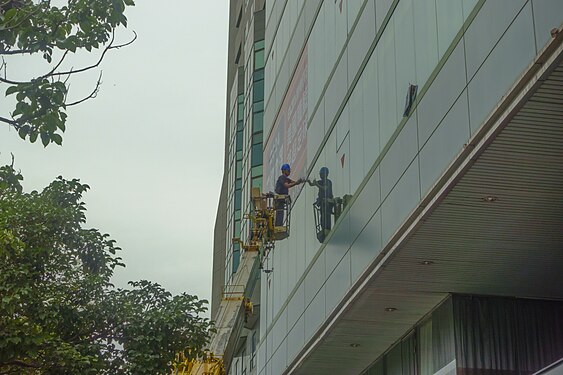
point(450, 18)
point(259, 75)
point(238, 197)
point(425, 363)
point(257, 171)
point(258, 94)
point(404, 51)
point(387, 84)
point(257, 182)
point(236, 261)
point(258, 122)
point(259, 59)
point(256, 155)
point(393, 363)
point(426, 39)
point(240, 111)
point(239, 141)
point(257, 138)
point(258, 106)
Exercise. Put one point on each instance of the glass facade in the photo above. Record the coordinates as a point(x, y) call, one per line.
point(347, 66)
point(478, 335)
point(244, 160)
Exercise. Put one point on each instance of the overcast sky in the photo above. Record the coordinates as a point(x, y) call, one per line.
point(150, 145)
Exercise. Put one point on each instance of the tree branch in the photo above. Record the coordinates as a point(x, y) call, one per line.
point(28, 16)
point(109, 46)
point(56, 66)
point(16, 52)
point(14, 123)
point(92, 95)
point(19, 363)
point(53, 72)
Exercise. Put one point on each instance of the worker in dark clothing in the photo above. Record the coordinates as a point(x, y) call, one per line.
point(283, 184)
point(325, 199)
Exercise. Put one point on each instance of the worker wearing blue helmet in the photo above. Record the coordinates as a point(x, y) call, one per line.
point(283, 184)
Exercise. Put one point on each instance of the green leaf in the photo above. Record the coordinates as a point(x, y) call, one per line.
point(45, 139)
point(11, 90)
point(24, 131)
point(10, 14)
point(57, 139)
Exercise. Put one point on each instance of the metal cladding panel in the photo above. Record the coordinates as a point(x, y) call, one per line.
point(494, 227)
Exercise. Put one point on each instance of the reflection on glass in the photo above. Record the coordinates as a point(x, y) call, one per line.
point(326, 204)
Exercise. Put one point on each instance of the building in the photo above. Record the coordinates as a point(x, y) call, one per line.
point(242, 171)
point(441, 123)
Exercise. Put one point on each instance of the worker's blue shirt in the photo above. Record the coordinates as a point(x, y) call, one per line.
point(281, 189)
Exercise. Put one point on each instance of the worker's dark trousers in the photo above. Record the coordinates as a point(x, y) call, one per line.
point(280, 208)
point(326, 220)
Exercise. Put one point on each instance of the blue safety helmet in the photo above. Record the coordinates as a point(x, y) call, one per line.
point(323, 171)
point(285, 167)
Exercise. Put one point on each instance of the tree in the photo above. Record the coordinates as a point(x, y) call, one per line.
point(36, 27)
point(59, 313)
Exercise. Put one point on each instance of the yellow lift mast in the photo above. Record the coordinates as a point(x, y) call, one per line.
point(269, 222)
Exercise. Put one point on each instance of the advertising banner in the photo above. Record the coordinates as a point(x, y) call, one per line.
point(288, 140)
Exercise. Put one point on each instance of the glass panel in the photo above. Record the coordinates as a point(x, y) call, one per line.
point(377, 368)
point(258, 94)
point(393, 361)
point(381, 10)
point(486, 29)
point(259, 75)
point(425, 39)
point(240, 111)
point(257, 171)
point(404, 51)
point(259, 59)
point(443, 335)
point(370, 107)
point(236, 260)
point(425, 362)
point(507, 335)
point(508, 59)
point(547, 15)
point(387, 84)
point(257, 138)
point(256, 155)
point(450, 19)
point(238, 196)
point(257, 122)
point(408, 353)
point(239, 140)
point(237, 231)
point(257, 182)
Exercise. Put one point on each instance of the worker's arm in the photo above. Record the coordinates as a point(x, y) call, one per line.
point(290, 183)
